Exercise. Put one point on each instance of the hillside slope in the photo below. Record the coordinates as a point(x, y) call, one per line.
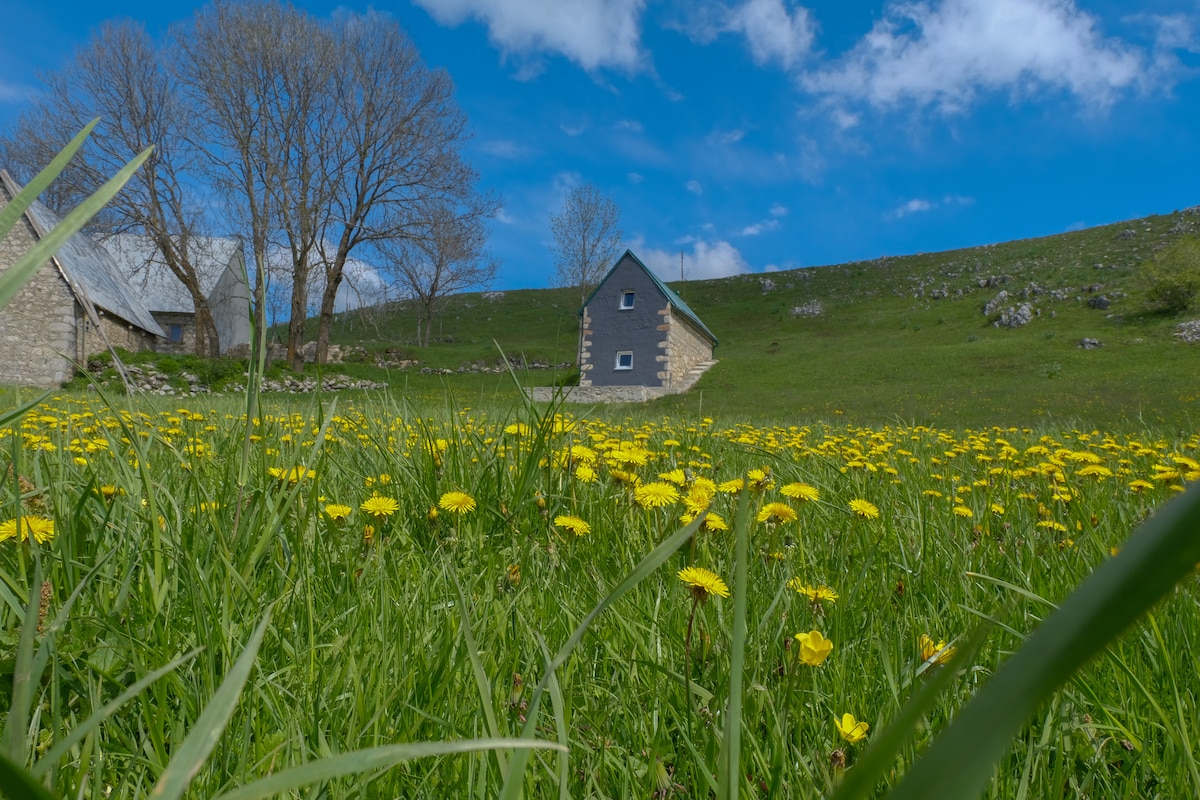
point(898, 338)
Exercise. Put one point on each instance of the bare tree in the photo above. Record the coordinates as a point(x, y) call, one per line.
point(586, 237)
point(449, 256)
point(401, 135)
point(260, 78)
point(120, 76)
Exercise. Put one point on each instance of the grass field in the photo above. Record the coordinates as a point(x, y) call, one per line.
point(887, 349)
point(420, 562)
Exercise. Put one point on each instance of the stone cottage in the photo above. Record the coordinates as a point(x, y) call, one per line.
point(76, 305)
point(221, 267)
point(636, 331)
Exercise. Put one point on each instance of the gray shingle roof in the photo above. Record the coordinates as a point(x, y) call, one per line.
point(142, 264)
point(89, 269)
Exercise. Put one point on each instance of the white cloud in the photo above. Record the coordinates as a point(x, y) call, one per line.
point(11, 92)
point(778, 210)
point(503, 216)
point(944, 53)
point(720, 138)
point(914, 206)
point(592, 33)
point(629, 125)
point(694, 187)
point(760, 227)
point(1075, 226)
point(717, 259)
point(634, 178)
point(573, 130)
point(504, 148)
point(957, 200)
point(773, 32)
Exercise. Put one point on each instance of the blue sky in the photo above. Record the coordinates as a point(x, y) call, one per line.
point(755, 135)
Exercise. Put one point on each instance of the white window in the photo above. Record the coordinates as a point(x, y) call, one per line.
point(624, 359)
point(626, 300)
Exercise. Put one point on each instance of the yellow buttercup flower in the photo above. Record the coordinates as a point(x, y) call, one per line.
point(938, 652)
point(851, 729)
point(813, 648)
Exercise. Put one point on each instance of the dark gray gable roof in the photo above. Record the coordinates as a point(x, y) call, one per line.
point(89, 269)
point(671, 296)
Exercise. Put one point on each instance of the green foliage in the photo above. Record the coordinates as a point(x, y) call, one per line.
point(1172, 275)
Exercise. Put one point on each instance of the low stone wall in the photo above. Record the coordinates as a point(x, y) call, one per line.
point(598, 394)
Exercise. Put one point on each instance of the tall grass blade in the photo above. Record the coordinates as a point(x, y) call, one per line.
point(16, 726)
point(372, 758)
point(731, 748)
point(190, 756)
point(646, 567)
point(81, 730)
point(481, 681)
point(25, 267)
point(33, 190)
point(16, 783)
point(1161, 552)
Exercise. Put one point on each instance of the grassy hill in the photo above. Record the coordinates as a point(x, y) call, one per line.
point(898, 339)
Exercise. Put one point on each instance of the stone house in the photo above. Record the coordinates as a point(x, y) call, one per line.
point(636, 331)
point(221, 267)
point(76, 305)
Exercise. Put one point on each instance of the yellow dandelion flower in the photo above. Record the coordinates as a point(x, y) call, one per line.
point(1052, 525)
point(963, 511)
point(572, 523)
point(715, 523)
point(864, 509)
point(585, 474)
point(675, 476)
point(813, 648)
point(731, 486)
point(851, 729)
point(777, 512)
point(457, 502)
point(293, 475)
point(379, 506)
point(1140, 485)
point(337, 512)
point(800, 491)
point(816, 594)
point(703, 583)
point(40, 528)
point(656, 495)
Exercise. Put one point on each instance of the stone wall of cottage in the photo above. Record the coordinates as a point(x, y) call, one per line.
point(118, 333)
point(687, 346)
point(187, 344)
point(38, 326)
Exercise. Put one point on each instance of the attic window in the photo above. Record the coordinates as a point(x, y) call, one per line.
point(626, 300)
point(624, 359)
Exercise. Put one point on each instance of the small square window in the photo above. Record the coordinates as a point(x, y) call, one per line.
point(626, 301)
point(625, 359)
point(175, 334)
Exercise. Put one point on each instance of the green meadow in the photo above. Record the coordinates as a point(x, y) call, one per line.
point(326, 586)
point(789, 582)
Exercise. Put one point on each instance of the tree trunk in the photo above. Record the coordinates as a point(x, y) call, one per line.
point(208, 343)
point(295, 338)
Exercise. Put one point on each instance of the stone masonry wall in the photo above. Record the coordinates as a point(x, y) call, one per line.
point(118, 333)
point(188, 343)
point(585, 349)
point(38, 327)
point(686, 347)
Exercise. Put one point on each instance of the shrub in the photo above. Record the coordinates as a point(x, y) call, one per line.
point(1173, 275)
